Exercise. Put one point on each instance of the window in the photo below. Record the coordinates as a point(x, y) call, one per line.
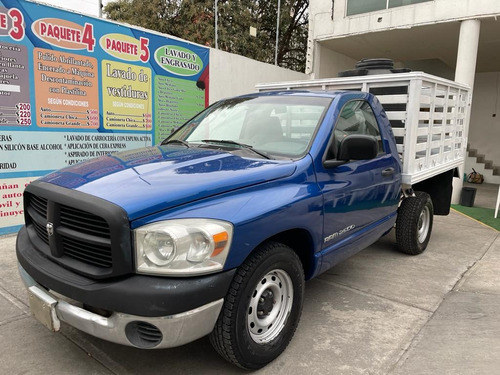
point(365, 6)
point(357, 118)
point(400, 3)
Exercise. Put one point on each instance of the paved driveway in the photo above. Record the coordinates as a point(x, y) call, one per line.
point(379, 312)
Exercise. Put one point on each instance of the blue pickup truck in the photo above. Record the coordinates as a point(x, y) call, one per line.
point(215, 230)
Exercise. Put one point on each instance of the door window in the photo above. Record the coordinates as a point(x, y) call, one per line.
point(357, 118)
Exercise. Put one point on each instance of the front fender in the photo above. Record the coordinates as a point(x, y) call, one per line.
point(260, 212)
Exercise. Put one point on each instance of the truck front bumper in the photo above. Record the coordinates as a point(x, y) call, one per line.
point(138, 331)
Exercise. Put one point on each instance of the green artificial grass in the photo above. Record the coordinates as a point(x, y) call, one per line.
point(484, 215)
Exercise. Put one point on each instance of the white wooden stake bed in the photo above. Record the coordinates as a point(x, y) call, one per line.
point(429, 116)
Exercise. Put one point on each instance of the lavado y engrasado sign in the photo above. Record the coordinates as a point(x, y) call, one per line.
point(179, 60)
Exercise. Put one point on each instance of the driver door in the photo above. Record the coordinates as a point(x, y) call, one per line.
point(360, 195)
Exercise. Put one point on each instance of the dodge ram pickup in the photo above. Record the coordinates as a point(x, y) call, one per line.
point(215, 230)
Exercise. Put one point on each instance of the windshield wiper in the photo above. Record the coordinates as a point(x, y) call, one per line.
point(178, 141)
point(234, 143)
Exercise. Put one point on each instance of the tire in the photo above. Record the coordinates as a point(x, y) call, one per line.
point(414, 223)
point(254, 327)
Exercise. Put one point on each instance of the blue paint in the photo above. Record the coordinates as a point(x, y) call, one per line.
point(10, 230)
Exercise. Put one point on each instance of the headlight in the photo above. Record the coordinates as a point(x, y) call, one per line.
point(182, 247)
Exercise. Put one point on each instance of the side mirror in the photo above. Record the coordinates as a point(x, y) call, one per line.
point(354, 147)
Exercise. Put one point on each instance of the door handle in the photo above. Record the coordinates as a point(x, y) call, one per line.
point(388, 172)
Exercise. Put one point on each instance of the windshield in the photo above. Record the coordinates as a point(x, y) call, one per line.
point(278, 126)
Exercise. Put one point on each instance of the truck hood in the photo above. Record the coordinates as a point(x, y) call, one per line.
point(152, 179)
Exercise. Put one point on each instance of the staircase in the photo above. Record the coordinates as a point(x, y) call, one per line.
point(478, 161)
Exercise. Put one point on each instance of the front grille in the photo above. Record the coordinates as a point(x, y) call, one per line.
point(84, 236)
point(97, 255)
point(41, 231)
point(39, 204)
point(86, 222)
point(90, 238)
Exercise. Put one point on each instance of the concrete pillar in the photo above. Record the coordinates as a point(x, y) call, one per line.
point(465, 72)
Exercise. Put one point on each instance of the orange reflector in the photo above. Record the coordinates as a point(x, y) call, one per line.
point(220, 240)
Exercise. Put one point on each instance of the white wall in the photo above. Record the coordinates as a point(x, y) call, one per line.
point(430, 12)
point(433, 66)
point(484, 132)
point(328, 63)
point(232, 74)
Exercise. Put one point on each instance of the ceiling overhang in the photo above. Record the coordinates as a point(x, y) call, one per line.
point(428, 42)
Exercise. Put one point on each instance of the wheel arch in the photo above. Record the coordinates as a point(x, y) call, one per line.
point(440, 189)
point(301, 242)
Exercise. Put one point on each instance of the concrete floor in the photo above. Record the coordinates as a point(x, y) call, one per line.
point(379, 312)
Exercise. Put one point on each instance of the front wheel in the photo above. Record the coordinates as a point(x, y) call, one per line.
point(262, 308)
point(414, 223)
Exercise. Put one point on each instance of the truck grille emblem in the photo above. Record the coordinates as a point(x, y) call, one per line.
point(50, 229)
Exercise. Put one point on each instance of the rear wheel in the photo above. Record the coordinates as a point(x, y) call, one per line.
point(262, 308)
point(414, 223)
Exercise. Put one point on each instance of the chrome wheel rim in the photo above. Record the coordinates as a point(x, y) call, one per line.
point(423, 224)
point(270, 306)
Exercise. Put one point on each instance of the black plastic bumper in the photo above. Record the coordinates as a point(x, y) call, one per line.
point(136, 294)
